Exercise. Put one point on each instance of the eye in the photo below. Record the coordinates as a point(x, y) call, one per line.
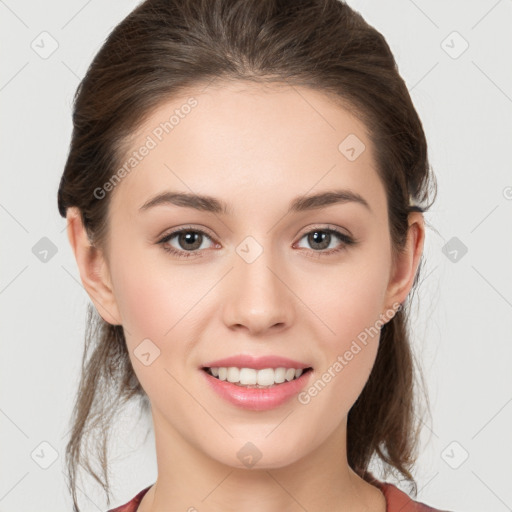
point(189, 241)
point(323, 237)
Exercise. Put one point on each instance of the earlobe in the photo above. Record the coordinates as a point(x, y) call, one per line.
point(407, 262)
point(93, 268)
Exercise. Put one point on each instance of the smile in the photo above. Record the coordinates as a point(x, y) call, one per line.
point(273, 391)
point(253, 378)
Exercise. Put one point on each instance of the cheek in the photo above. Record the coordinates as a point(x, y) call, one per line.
point(165, 305)
point(153, 311)
point(350, 302)
point(154, 298)
point(350, 298)
point(143, 305)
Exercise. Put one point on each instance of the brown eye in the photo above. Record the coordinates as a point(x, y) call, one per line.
point(189, 242)
point(320, 239)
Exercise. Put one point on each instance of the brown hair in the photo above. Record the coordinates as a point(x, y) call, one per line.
point(166, 47)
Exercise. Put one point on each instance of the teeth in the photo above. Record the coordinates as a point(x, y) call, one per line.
point(233, 374)
point(247, 376)
point(256, 378)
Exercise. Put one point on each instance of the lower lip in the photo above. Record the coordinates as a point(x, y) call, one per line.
point(257, 399)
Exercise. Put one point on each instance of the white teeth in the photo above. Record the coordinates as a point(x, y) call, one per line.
point(223, 373)
point(248, 376)
point(266, 377)
point(290, 374)
point(233, 374)
point(280, 375)
point(256, 378)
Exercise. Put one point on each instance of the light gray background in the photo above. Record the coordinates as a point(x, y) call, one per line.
point(462, 333)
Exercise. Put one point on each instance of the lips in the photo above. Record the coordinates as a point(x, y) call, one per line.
point(253, 398)
point(256, 362)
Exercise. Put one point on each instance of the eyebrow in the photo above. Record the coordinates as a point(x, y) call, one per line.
point(213, 205)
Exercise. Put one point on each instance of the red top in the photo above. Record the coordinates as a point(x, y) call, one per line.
point(396, 500)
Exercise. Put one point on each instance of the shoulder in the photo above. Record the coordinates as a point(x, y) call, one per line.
point(133, 504)
point(398, 500)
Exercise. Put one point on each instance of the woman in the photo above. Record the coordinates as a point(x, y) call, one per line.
point(244, 193)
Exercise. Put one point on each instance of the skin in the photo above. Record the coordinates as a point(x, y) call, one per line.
point(255, 148)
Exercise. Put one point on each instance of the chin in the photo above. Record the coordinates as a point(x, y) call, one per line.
point(259, 452)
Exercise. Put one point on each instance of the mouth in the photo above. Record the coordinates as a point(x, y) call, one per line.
point(253, 378)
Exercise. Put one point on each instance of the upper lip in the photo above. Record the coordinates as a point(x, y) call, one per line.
point(256, 362)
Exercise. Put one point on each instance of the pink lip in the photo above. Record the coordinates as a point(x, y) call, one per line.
point(257, 399)
point(258, 363)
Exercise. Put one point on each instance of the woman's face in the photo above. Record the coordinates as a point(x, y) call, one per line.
point(261, 278)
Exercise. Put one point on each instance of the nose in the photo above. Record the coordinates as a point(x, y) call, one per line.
point(257, 298)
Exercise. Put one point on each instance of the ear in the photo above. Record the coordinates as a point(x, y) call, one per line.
point(93, 268)
point(406, 263)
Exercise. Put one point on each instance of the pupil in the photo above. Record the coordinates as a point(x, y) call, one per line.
point(190, 239)
point(322, 235)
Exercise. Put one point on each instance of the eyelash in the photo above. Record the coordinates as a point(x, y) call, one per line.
point(345, 239)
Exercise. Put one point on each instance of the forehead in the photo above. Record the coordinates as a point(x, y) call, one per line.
point(250, 142)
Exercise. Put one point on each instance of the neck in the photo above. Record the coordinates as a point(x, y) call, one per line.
point(189, 480)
